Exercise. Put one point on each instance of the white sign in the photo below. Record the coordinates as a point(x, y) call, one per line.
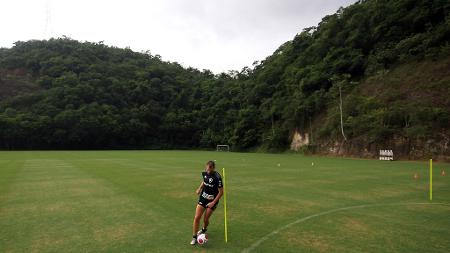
point(386, 155)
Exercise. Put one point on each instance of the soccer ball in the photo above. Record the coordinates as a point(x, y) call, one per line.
point(202, 239)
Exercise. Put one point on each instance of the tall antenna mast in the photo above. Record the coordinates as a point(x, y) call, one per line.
point(48, 30)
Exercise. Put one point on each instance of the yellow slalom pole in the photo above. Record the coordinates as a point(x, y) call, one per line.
point(225, 205)
point(431, 179)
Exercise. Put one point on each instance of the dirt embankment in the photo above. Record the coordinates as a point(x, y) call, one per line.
point(416, 86)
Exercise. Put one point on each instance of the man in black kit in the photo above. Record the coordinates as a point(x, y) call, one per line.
point(210, 191)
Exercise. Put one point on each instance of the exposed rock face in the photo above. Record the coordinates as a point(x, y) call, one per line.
point(299, 140)
point(403, 148)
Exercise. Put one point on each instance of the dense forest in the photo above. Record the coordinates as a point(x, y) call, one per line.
point(373, 75)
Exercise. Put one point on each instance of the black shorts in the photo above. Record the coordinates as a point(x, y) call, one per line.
point(203, 202)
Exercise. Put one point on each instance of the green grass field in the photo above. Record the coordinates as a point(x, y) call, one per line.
point(143, 201)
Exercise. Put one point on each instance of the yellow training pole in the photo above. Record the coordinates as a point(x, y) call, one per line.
point(431, 179)
point(225, 205)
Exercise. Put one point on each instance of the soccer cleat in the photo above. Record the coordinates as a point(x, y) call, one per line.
point(193, 241)
point(201, 232)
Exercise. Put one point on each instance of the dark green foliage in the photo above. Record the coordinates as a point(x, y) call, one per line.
point(94, 96)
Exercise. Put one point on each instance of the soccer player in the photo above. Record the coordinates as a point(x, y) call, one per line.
point(210, 191)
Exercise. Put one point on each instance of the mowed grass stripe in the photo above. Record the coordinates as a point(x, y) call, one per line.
point(55, 207)
point(8, 173)
point(167, 190)
point(144, 183)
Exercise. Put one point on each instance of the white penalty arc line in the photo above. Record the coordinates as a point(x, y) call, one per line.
point(276, 231)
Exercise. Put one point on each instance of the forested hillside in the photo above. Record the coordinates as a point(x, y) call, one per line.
point(389, 60)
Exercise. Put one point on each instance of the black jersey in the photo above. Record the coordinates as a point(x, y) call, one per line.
point(211, 185)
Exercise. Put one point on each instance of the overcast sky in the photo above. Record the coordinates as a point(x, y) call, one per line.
point(220, 35)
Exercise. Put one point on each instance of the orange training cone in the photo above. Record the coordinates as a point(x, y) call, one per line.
point(416, 176)
point(442, 173)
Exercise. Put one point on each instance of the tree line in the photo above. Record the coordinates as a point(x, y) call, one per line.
point(62, 93)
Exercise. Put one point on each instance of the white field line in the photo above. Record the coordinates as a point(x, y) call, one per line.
point(278, 230)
